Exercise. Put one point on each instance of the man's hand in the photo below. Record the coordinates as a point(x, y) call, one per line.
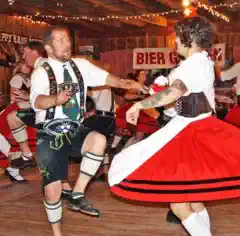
point(116, 82)
point(89, 114)
point(63, 97)
point(133, 114)
point(131, 84)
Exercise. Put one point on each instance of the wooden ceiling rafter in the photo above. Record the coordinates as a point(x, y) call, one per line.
point(139, 7)
point(103, 8)
point(114, 10)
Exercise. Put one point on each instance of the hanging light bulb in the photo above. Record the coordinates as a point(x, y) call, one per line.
point(186, 3)
point(187, 12)
point(10, 2)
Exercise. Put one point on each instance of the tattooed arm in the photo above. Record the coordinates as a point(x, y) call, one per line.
point(167, 96)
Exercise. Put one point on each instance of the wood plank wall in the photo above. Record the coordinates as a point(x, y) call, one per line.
point(12, 25)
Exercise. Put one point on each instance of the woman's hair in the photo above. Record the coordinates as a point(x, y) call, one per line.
point(195, 29)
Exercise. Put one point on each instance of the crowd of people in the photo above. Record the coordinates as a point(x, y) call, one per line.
point(174, 151)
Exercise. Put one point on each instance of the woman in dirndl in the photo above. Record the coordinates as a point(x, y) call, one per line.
point(195, 157)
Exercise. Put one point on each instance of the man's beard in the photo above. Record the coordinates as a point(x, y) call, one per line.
point(63, 57)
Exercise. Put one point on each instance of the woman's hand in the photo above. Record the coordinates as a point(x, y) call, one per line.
point(133, 113)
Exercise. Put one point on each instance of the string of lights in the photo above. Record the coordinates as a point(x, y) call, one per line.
point(30, 20)
point(91, 18)
point(210, 8)
point(147, 16)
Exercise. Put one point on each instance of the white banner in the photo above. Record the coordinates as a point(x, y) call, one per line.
point(156, 58)
point(17, 39)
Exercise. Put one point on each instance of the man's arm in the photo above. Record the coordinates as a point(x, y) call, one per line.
point(44, 102)
point(230, 73)
point(117, 82)
point(167, 96)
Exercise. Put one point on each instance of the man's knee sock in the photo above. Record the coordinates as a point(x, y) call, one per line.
point(90, 163)
point(54, 211)
point(20, 134)
point(116, 141)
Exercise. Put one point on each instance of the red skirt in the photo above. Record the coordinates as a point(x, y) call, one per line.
point(201, 163)
point(146, 124)
point(3, 161)
point(6, 132)
point(233, 116)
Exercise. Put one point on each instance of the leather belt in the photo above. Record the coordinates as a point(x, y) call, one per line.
point(105, 113)
point(59, 127)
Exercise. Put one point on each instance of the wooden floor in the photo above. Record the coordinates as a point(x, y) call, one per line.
point(22, 213)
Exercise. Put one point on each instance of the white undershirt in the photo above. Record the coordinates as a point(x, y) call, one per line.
point(103, 99)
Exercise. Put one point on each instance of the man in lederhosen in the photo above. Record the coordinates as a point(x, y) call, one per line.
point(59, 102)
point(19, 119)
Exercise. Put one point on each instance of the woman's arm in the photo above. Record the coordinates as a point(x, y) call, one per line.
point(167, 96)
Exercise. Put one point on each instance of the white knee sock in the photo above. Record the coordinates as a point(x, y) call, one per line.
point(196, 226)
point(20, 134)
point(116, 141)
point(205, 217)
point(27, 156)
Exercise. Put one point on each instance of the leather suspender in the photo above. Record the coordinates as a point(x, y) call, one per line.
point(53, 89)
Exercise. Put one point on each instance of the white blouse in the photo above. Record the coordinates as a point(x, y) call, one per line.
point(197, 73)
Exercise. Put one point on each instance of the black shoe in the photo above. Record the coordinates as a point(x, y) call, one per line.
point(17, 163)
point(13, 178)
point(113, 151)
point(171, 218)
point(83, 205)
point(100, 178)
point(31, 163)
point(66, 194)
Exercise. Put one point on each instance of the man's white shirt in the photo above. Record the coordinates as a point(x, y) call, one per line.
point(92, 76)
point(103, 99)
point(231, 73)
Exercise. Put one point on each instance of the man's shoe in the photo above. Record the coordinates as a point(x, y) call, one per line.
point(30, 163)
point(14, 178)
point(100, 178)
point(17, 163)
point(82, 205)
point(171, 218)
point(66, 194)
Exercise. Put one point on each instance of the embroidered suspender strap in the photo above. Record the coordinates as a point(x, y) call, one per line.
point(53, 89)
point(112, 102)
point(81, 89)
